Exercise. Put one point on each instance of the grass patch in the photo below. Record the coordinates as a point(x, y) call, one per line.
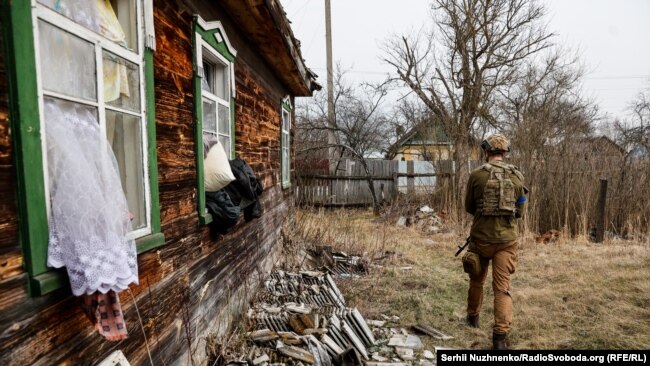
point(571, 294)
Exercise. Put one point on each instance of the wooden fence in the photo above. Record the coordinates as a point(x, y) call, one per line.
point(349, 187)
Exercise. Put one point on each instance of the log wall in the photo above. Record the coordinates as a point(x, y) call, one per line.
point(196, 283)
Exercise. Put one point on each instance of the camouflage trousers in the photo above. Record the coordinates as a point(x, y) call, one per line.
point(504, 261)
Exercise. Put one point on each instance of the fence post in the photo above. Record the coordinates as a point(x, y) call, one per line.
point(410, 181)
point(600, 223)
point(395, 185)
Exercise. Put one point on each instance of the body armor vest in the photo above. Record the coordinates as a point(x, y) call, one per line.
point(499, 192)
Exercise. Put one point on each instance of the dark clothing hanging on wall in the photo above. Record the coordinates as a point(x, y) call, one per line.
point(246, 189)
point(243, 193)
point(224, 212)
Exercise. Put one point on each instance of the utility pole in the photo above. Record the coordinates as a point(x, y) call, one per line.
point(331, 139)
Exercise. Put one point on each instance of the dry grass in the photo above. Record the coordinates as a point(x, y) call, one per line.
point(571, 294)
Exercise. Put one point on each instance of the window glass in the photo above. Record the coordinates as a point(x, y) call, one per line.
point(79, 113)
point(73, 77)
point(121, 82)
point(68, 67)
point(114, 19)
point(224, 119)
point(225, 142)
point(216, 77)
point(124, 134)
point(222, 88)
point(284, 143)
point(209, 115)
point(286, 120)
point(285, 166)
point(207, 79)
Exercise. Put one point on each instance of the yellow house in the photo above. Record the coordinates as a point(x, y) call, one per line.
point(426, 142)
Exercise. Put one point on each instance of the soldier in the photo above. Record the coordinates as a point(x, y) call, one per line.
point(495, 196)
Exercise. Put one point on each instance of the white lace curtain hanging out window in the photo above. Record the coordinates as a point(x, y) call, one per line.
point(89, 219)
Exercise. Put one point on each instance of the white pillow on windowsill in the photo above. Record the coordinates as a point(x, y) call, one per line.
point(216, 168)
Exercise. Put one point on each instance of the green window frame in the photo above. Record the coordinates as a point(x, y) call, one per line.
point(286, 112)
point(20, 47)
point(211, 45)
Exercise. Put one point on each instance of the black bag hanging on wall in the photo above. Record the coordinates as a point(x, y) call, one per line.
point(224, 212)
point(246, 189)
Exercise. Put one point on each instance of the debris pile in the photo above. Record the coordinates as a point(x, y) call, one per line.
point(425, 219)
point(302, 319)
point(339, 264)
point(307, 309)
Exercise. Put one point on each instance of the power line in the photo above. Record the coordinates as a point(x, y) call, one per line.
point(618, 77)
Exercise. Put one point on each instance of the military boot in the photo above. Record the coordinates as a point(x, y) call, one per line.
point(499, 341)
point(472, 321)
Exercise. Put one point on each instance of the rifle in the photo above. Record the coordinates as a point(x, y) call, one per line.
point(461, 248)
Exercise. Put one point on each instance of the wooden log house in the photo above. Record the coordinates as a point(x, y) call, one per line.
point(186, 69)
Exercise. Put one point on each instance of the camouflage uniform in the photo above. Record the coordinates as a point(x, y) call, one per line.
point(494, 238)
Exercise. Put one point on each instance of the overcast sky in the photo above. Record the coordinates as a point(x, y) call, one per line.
point(611, 36)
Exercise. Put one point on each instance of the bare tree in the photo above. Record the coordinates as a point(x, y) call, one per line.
point(637, 130)
point(549, 123)
point(543, 106)
point(361, 127)
point(475, 49)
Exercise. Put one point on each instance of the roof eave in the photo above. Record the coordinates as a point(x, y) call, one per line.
point(265, 24)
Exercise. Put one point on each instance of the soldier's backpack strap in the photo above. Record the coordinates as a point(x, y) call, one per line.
point(515, 170)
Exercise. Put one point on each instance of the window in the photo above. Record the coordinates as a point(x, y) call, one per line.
point(214, 86)
point(82, 57)
point(215, 90)
point(285, 143)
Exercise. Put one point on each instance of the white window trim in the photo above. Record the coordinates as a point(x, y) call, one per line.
point(286, 108)
point(202, 45)
point(100, 43)
point(208, 26)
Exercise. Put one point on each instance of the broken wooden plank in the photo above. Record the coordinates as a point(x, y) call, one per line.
point(297, 353)
point(297, 308)
point(309, 331)
point(290, 338)
point(263, 358)
point(263, 335)
point(425, 329)
point(296, 324)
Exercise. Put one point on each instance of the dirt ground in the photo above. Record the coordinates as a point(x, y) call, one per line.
point(567, 294)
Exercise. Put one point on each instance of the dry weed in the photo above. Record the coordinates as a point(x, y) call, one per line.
point(568, 294)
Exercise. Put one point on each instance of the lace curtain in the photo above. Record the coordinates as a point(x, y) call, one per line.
point(89, 218)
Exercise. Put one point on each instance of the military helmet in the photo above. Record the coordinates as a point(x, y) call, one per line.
point(496, 143)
